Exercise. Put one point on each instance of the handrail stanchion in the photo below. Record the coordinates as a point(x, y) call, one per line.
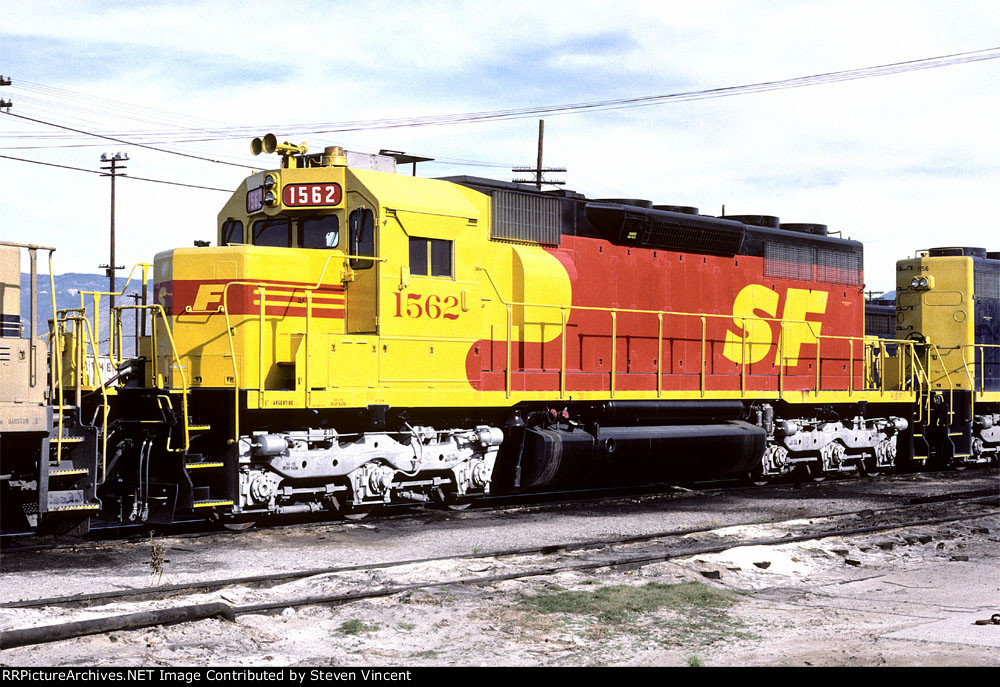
point(819, 342)
point(781, 358)
point(704, 333)
point(850, 369)
point(260, 349)
point(614, 348)
point(659, 355)
point(562, 354)
point(509, 378)
point(743, 358)
point(308, 384)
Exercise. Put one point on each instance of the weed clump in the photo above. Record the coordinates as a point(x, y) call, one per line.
point(618, 604)
point(355, 627)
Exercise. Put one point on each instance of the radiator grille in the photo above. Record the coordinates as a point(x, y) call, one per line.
point(987, 283)
point(839, 267)
point(671, 236)
point(789, 261)
point(525, 217)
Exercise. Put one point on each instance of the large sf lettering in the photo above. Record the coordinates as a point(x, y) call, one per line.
point(756, 337)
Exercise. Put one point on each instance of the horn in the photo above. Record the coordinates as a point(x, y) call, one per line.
point(270, 143)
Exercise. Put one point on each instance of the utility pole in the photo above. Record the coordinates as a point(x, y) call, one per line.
point(5, 104)
point(538, 169)
point(115, 170)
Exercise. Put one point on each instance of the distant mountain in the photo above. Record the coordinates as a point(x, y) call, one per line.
point(68, 288)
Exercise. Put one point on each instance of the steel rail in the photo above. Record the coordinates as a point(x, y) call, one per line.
point(162, 591)
point(50, 633)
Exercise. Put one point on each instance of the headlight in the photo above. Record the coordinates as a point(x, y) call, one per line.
point(271, 189)
point(914, 283)
point(923, 282)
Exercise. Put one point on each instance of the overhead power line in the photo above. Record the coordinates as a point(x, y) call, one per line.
point(216, 133)
point(644, 101)
point(135, 178)
point(131, 143)
point(190, 134)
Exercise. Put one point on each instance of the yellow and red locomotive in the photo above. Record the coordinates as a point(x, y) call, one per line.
point(360, 337)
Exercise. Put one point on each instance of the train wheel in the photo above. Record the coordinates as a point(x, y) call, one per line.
point(350, 511)
point(869, 467)
point(814, 472)
point(757, 479)
point(453, 502)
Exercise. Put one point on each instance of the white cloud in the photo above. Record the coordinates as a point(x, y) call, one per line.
point(899, 162)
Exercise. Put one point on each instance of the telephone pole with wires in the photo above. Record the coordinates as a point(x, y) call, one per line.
point(115, 168)
point(5, 104)
point(538, 169)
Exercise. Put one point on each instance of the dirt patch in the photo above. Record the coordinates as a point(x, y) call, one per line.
point(907, 597)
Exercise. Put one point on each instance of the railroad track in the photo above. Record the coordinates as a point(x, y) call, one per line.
point(99, 536)
point(354, 583)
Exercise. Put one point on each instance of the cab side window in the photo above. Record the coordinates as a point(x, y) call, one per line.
point(362, 237)
point(431, 257)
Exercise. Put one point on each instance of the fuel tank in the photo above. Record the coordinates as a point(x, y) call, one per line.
point(620, 455)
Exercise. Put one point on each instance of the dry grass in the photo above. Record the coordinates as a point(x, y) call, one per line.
point(617, 604)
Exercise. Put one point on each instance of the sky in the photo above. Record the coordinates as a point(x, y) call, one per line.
point(900, 162)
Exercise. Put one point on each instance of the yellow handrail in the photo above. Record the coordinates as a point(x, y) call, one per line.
point(224, 309)
point(158, 309)
point(979, 351)
point(951, 386)
point(79, 366)
point(906, 344)
point(97, 298)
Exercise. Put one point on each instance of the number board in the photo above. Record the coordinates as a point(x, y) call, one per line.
point(311, 195)
point(255, 200)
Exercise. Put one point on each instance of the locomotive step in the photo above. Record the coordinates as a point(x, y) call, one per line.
point(66, 468)
point(199, 428)
point(70, 499)
point(67, 472)
point(192, 466)
point(67, 440)
point(211, 503)
point(82, 506)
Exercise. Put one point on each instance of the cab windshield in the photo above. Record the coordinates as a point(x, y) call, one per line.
point(322, 232)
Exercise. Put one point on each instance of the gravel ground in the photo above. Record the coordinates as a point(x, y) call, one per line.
point(882, 599)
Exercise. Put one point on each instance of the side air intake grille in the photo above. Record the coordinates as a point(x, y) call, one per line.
point(672, 236)
point(987, 283)
point(789, 261)
point(675, 231)
point(839, 267)
point(805, 263)
point(525, 217)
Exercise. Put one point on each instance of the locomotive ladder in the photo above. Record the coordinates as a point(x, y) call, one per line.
point(200, 472)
